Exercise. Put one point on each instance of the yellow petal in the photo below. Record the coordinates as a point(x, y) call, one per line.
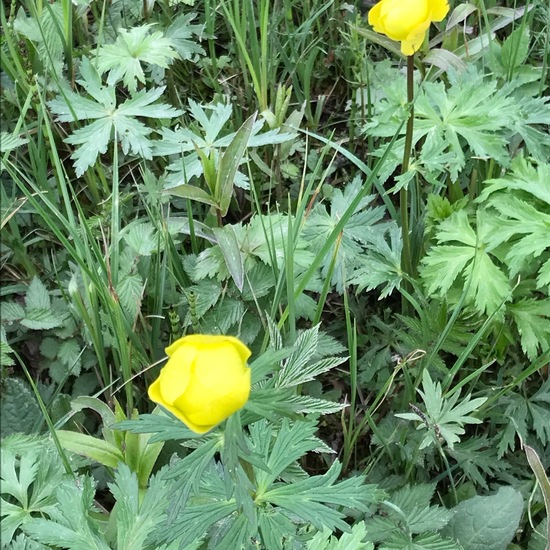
point(374, 17)
point(154, 392)
point(183, 417)
point(175, 376)
point(414, 41)
point(241, 349)
point(439, 9)
point(217, 410)
point(399, 19)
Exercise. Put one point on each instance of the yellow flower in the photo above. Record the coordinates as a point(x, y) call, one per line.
point(205, 380)
point(407, 21)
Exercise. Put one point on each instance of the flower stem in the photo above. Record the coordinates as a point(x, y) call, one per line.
point(406, 258)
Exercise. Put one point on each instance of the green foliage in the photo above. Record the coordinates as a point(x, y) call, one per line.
point(348, 541)
point(408, 520)
point(487, 521)
point(143, 197)
point(473, 116)
point(111, 120)
point(510, 240)
point(201, 142)
point(19, 409)
point(445, 416)
point(123, 59)
point(37, 313)
point(30, 478)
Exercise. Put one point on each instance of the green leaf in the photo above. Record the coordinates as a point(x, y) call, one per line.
point(136, 517)
point(11, 311)
point(227, 241)
point(229, 163)
point(141, 238)
point(542, 480)
point(5, 348)
point(532, 318)
point(31, 478)
point(180, 33)
point(486, 522)
point(318, 499)
point(91, 447)
point(193, 193)
point(37, 296)
point(515, 49)
point(123, 59)
point(426, 541)
point(130, 291)
point(71, 526)
point(539, 538)
point(110, 121)
point(469, 266)
point(444, 418)
point(22, 542)
point(19, 409)
point(348, 541)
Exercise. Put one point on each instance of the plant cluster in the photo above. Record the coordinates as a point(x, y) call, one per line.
point(356, 197)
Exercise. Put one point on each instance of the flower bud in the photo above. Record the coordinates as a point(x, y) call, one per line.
point(205, 380)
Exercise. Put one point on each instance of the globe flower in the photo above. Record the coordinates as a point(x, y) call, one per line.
point(407, 21)
point(205, 380)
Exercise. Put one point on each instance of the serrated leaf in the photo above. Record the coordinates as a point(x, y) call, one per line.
point(11, 311)
point(181, 33)
point(94, 138)
point(140, 237)
point(444, 418)
point(130, 292)
point(348, 541)
point(71, 526)
point(123, 59)
point(532, 318)
point(41, 319)
point(37, 295)
point(469, 265)
point(515, 49)
point(19, 409)
point(486, 522)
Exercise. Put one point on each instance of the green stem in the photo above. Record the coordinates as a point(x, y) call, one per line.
point(406, 259)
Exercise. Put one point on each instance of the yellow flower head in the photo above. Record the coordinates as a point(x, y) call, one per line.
point(205, 380)
point(407, 21)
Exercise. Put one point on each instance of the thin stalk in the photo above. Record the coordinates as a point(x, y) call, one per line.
point(406, 260)
point(115, 218)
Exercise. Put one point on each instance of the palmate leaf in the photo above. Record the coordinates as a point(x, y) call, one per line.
point(348, 541)
point(70, 525)
point(469, 263)
point(280, 448)
point(445, 418)
point(209, 137)
point(519, 203)
point(471, 111)
point(408, 513)
point(315, 499)
point(363, 227)
point(181, 31)
point(381, 265)
point(532, 318)
point(137, 517)
point(110, 122)
point(133, 47)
